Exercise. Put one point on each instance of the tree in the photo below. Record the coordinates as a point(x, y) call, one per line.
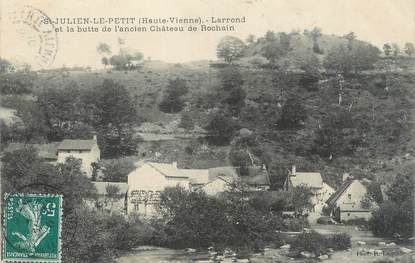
point(5, 66)
point(402, 188)
point(250, 39)
point(409, 48)
point(293, 114)
point(342, 60)
point(387, 49)
point(186, 121)
point(338, 134)
point(350, 38)
point(104, 48)
point(395, 49)
point(245, 152)
point(113, 117)
point(285, 42)
point(315, 34)
point(221, 129)
point(34, 127)
point(393, 220)
point(126, 59)
point(116, 170)
point(232, 95)
point(20, 82)
point(105, 61)
point(113, 194)
point(193, 219)
point(64, 113)
point(270, 36)
point(272, 51)
point(310, 64)
point(301, 199)
point(230, 49)
point(173, 101)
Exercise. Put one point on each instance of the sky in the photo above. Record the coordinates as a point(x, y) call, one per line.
point(377, 21)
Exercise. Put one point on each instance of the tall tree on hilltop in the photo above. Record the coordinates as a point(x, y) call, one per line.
point(230, 49)
point(387, 49)
point(409, 48)
point(350, 38)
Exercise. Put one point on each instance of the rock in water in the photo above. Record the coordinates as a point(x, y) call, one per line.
point(305, 254)
point(405, 250)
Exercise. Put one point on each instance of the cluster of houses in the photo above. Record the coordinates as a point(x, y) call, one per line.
point(142, 191)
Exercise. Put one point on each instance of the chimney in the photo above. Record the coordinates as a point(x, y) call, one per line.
point(293, 170)
point(346, 176)
point(94, 137)
point(174, 164)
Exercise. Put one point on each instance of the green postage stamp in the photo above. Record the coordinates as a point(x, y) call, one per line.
point(32, 227)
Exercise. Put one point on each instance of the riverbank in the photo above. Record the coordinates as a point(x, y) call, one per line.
point(270, 255)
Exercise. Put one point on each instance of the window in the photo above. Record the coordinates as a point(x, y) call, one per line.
point(80, 151)
point(68, 151)
point(136, 207)
point(348, 214)
point(350, 196)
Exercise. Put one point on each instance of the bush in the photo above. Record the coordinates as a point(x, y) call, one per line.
point(197, 220)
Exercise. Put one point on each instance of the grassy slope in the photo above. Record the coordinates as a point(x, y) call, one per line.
point(147, 83)
point(146, 86)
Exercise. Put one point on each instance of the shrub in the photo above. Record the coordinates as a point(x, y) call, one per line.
point(339, 241)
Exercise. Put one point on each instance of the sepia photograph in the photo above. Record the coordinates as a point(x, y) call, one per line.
point(254, 131)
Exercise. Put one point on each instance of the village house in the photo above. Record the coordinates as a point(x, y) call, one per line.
point(321, 191)
point(111, 197)
point(87, 151)
point(148, 181)
point(346, 203)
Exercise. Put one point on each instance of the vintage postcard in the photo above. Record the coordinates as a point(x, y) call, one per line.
point(207, 131)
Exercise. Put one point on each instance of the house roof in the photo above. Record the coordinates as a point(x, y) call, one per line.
point(334, 197)
point(101, 187)
point(313, 180)
point(76, 144)
point(45, 150)
point(256, 177)
point(197, 176)
point(227, 174)
point(168, 169)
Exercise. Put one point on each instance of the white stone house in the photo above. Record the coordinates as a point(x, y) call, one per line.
point(146, 183)
point(346, 202)
point(313, 180)
point(87, 151)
